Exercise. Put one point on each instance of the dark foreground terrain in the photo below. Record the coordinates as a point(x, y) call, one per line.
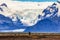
point(37, 36)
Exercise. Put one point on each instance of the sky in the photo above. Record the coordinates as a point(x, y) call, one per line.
point(32, 0)
point(37, 0)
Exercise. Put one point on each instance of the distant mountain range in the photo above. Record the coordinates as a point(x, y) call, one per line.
point(7, 23)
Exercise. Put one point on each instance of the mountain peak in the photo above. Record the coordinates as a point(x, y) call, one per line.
point(4, 4)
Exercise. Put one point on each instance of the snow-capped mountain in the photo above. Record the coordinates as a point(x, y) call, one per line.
point(8, 21)
point(4, 10)
point(26, 16)
point(18, 21)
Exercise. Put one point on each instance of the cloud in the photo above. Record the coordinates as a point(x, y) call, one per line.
point(16, 30)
